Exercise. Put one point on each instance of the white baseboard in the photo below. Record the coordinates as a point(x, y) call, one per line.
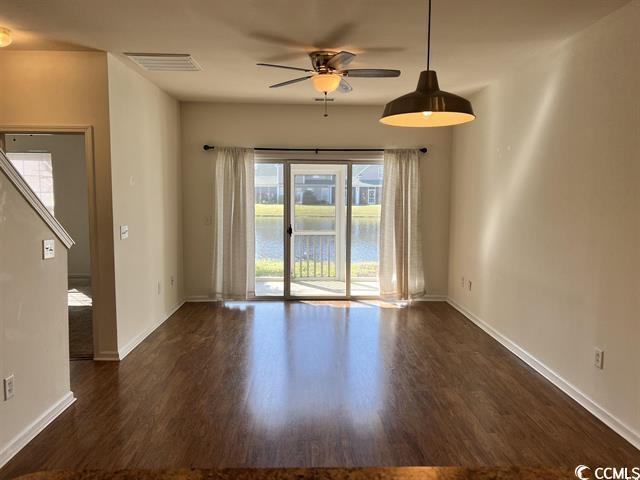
point(432, 298)
point(19, 441)
point(137, 340)
point(106, 356)
point(590, 405)
point(426, 298)
point(80, 276)
point(200, 298)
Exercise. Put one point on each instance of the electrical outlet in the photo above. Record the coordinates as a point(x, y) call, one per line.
point(8, 387)
point(124, 232)
point(598, 358)
point(469, 285)
point(172, 280)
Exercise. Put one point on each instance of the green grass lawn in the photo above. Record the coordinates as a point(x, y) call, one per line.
point(268, 210)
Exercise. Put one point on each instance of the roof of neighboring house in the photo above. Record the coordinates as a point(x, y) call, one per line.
point(369, 176)
point(270, 176)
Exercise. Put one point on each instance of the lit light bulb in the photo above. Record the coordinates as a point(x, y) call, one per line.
point(326, 82)
point(5, 37)
point(427, 114)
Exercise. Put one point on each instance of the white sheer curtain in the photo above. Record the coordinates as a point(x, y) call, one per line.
point(401, 271)
point(233, 258)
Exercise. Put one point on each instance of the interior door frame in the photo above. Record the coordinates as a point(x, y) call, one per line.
point(100, 304)
point(286, 163)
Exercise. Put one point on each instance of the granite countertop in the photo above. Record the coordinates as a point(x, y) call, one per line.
point(399, 473)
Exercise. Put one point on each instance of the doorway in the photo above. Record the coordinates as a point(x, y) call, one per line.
point(54, 165)
point(317, 228)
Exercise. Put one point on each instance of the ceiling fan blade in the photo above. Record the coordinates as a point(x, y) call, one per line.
point(283, 66)
point(344, 86)
point(336, 36)
point(372, 73)
point(381, 49)
point(287, 56)
point(340, 60)
point(289, 82)
point(276, 39)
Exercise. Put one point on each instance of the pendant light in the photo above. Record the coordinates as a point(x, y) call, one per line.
point(428, 106)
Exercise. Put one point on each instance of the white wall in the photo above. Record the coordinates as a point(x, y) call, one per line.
point(260, 125)
point(145, 162)
point(34, 334)
point(545, 211)
point(70, 189)
point(69, 89)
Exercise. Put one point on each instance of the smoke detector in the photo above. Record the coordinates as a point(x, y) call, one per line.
point(165, 62)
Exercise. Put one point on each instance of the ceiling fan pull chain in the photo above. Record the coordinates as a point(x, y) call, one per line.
point(325, 105)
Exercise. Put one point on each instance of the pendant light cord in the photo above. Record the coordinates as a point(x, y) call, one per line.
point(429, 38)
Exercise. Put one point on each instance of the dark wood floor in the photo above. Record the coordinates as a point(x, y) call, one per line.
point(273, 384)
point(80, 332)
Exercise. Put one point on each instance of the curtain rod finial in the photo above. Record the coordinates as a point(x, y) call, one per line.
point(208, 147)
point(424, 150)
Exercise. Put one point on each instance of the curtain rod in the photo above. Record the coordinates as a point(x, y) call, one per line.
point(316, 150)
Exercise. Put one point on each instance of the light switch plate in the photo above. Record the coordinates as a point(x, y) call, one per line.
point(48, 249)
point(124, 232)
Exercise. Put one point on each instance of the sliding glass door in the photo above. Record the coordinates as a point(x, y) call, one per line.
point(366, 196)
point(269, 222)
point(317, 228)
point(318, 239)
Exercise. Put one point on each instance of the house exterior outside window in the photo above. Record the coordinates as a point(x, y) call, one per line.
point(37, 170)
point(367, 185)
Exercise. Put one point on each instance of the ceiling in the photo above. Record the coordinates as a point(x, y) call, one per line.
point(473, 41)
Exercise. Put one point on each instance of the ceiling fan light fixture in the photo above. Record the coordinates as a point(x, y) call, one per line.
point(5, 37)
point(427, 106)
point(326, 82)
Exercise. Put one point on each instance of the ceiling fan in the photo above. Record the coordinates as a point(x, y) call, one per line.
point(329, 70)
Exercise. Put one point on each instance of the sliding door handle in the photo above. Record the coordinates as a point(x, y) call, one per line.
point(290, 231)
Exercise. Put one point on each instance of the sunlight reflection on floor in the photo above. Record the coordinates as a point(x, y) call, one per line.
point(77, 298)
point(356, 303)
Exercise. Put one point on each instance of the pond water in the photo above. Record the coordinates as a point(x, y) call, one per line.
point(364, 237)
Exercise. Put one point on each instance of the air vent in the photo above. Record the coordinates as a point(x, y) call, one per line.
point(165, 62)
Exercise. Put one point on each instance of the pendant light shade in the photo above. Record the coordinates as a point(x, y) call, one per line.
point(428, 106)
